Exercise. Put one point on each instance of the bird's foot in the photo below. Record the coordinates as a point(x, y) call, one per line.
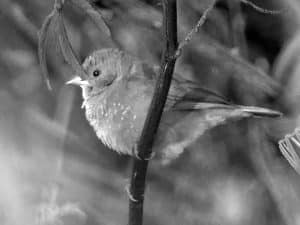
point(135, 153)
point(151, 156)
point(127, 189)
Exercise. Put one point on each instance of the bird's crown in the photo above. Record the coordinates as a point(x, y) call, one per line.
point(103, 56)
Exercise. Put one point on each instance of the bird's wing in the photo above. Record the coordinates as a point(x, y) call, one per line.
point(183, 95)
point(140, 78)
point(199, 98)
point(186, 95)
point(140, 72)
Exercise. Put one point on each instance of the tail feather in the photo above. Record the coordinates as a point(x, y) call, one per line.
point(251, 110)
point(261, 112)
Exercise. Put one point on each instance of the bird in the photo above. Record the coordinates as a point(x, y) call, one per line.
point(117, 91)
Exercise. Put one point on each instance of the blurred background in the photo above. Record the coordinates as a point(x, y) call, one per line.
point(53, 169)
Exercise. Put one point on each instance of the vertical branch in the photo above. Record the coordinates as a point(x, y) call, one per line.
point(144, 147)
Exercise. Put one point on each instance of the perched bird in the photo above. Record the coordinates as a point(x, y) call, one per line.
point(117, 93)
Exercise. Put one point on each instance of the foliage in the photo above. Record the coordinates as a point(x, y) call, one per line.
point(235, 174)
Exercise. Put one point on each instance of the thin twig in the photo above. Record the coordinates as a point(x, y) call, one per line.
point(260, 9)
point(144, 147)
point(195, 30)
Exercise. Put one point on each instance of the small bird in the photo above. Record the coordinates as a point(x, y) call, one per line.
point(117, 93)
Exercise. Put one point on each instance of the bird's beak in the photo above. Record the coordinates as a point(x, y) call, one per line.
point(78, 81)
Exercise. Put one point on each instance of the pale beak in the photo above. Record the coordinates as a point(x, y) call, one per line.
point(78, 81)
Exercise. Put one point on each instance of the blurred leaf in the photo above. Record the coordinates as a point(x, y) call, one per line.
point(67, 49)
point(286, 70)
point(53, 214)
point(43, 39)
point(290, 147)
point(95, 15)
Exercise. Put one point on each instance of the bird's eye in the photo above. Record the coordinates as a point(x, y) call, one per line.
point(96, 73)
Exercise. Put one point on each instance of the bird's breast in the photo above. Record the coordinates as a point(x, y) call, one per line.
point(117, 120)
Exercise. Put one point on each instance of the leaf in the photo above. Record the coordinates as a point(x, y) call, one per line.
point(94, 15)
point(67, 50)
point(289, 147)
point(42, 44)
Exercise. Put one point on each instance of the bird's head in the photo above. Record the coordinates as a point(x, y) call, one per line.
point(103, 69)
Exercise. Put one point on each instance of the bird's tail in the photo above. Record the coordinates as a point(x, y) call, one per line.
point(261, 112)
point(246, 110)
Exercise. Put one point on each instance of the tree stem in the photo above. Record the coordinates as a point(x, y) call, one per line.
point(144, 147)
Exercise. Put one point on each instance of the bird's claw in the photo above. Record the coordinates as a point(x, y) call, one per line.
point(127, 189)
point(136, 155)
point(151, 156)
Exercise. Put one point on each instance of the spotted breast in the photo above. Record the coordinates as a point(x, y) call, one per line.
point(118, 116)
